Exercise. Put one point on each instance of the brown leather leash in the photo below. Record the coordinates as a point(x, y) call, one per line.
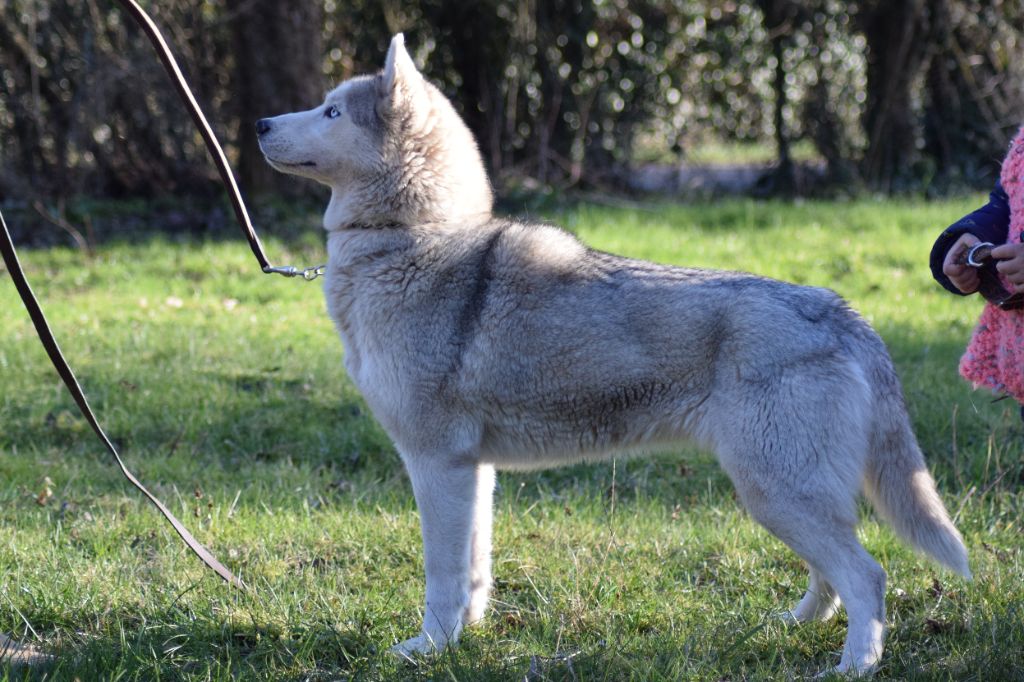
point(10, 257)
point(990, 287)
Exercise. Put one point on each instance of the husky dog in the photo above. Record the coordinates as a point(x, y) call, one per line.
point(483, 342)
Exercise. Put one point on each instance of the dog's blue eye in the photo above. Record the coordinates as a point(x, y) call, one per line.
point(332, 112)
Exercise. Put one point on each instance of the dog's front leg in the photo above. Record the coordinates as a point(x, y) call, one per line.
point(480, 552)
point(445, 490)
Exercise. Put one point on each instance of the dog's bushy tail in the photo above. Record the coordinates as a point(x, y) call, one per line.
point(896, 479)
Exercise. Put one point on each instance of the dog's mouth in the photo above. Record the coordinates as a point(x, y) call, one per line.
point(292, 164)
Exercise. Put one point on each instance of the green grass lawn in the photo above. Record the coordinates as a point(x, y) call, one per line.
point(226, 392)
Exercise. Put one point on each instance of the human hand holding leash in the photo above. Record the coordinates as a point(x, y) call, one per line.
point(982, 258)
point(963, 276)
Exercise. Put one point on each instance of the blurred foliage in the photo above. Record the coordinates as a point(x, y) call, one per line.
point(891, 95)
point(85, 106)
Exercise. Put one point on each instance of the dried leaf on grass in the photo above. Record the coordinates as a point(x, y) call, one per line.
point(46, 493)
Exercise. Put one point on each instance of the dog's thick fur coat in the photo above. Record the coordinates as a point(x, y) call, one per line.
point(482, 342)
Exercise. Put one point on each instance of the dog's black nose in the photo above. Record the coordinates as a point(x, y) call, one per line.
point(262, 126)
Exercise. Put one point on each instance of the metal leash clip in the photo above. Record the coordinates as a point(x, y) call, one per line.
point(308, 274)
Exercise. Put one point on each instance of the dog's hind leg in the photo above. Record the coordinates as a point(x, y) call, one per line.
point(818, 529)
point(480, 551)
point(821, 601)
point(446, 492)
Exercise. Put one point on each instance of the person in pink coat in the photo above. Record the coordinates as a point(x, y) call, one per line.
point(995, 354)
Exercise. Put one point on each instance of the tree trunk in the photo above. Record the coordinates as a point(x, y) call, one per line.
point(278, 69)
point(897, 36)
point(785, 179)
point(779, 18)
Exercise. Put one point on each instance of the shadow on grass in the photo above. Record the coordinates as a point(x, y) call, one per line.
point(105, 222)
point(292, 221)
point(298, 220)
point(177, 643)
point(174, 644)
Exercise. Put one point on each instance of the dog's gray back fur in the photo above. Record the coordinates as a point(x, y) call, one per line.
point(481, 341)
point(546, 347)
point(520, 321)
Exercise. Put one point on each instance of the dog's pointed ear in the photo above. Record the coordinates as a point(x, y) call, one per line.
point(399, 72)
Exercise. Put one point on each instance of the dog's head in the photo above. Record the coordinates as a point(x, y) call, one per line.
point(391, 147)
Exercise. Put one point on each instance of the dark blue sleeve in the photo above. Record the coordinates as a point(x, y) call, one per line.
point(990, 223)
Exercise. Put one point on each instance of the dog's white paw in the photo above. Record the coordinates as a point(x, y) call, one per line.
point(421, 645)
point(475, 612)
point(848, 672)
